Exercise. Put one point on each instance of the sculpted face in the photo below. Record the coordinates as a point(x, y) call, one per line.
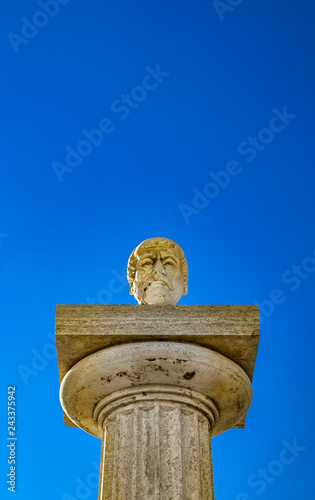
point(155, 272)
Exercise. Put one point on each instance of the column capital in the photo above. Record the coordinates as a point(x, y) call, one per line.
point(143, 370)
point(231, 330)
point(149, 395)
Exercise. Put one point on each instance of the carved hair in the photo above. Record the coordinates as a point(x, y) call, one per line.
point(151, 243)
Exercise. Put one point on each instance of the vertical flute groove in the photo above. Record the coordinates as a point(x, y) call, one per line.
point(135, 454)
point(182, 455)
point(197, 429)
point(157, 451)
point(114, 480)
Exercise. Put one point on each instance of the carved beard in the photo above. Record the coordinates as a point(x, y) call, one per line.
point(142, 287)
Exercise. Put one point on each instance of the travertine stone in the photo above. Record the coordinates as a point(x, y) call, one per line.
point(232, 330)
point(193, 374)
point(156, 405)
point(157, 450)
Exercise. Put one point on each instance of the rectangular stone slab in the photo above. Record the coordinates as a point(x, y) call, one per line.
point(232, 330)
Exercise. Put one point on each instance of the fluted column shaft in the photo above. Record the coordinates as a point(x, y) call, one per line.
point(157, 450)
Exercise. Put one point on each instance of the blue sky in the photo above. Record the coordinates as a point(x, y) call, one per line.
point(191, 120)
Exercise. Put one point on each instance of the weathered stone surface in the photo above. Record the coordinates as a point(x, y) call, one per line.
point(128, 373)
point(232, 330)
point(156, 405)
point(157, 450)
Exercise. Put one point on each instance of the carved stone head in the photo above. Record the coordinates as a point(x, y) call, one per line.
point(158, 272)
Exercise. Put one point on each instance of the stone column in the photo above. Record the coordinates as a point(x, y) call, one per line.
point(156, 406)
point(156, 445)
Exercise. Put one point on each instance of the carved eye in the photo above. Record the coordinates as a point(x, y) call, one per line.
point(169, 263)
point(146, 263)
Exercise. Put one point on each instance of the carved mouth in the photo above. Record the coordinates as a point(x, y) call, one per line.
point(160, 282)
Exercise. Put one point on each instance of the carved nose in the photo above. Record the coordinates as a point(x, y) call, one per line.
point(159, 268)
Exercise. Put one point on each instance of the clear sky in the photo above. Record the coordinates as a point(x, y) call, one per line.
point(192, 120)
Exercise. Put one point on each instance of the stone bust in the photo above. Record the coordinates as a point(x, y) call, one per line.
point(157, 272)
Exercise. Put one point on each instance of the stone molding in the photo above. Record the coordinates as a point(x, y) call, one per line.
point(130, 367)
point(156, 383)
point(232, 330)
point(148, 395)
